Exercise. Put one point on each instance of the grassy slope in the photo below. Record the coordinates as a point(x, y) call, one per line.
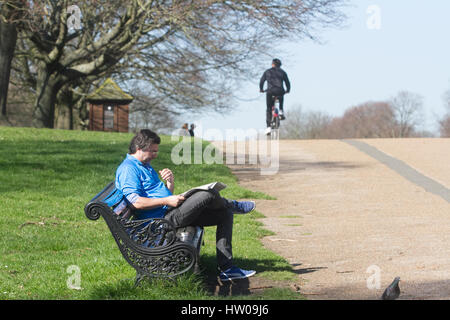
point(46, 178)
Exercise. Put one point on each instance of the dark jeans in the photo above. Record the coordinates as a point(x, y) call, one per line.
point(208, 208)
point(277, 92)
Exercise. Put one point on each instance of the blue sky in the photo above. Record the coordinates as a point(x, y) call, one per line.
point(409, 51)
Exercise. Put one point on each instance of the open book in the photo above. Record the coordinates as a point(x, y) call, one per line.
point(210, 186)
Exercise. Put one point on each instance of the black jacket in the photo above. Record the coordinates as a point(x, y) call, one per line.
point(275, 78)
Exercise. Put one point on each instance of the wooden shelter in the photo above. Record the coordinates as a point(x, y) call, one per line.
point(109, 108)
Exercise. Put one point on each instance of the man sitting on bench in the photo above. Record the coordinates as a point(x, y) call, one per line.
point(152, 198)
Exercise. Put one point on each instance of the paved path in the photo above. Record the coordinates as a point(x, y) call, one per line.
point(352, 215)
point(403, 169)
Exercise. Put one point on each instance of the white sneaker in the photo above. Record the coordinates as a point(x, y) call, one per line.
point(235, 273)
point(268, 130)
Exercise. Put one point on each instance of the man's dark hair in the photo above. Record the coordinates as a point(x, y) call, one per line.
point(276, 62)
point(143, 140)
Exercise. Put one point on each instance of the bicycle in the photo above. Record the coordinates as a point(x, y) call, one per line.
point(276, 119)
point(275, 122)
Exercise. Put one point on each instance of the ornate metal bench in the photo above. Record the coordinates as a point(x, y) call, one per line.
point(153, 247)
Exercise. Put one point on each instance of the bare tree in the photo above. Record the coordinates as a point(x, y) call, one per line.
point(189, 51)
point(20, 104)
point(446, 99)
point(316, 124)
point(408, 111)
point(153, 113)
point(10, 17)
point(292, 127)
point(305, 125)
point(373, 119)
point(368, 120)
point(444, 123)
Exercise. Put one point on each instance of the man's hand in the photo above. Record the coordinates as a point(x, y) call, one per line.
point(174, 201)
point(167, 175)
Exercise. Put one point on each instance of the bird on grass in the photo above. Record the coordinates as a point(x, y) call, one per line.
point(392, 292)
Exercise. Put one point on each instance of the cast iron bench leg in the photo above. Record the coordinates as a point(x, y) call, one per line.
point(139, 278)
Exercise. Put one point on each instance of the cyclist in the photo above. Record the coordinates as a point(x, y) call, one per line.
point(275, 77)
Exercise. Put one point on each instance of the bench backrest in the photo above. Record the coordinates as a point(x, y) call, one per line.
point(114, 198)
point(109, 195)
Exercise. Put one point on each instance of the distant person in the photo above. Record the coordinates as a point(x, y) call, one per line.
point(152, 197)
point(275, 78)
point(184, 131)
point(191, 130)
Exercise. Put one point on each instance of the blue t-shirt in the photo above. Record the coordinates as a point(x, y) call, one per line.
point(135, 180)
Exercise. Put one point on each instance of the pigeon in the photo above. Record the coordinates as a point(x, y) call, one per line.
point(392, 292)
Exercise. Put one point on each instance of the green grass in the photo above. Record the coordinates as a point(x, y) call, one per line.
point(47, 177)
point(291, 216)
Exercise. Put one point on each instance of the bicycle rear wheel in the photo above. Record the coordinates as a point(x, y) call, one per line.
point(277, 123)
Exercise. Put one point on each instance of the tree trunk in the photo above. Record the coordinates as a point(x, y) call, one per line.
point(64, 110)
point(47, 89)
point(80, 115)
point(8, 38)
point(63, 117)
point(71, 111)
